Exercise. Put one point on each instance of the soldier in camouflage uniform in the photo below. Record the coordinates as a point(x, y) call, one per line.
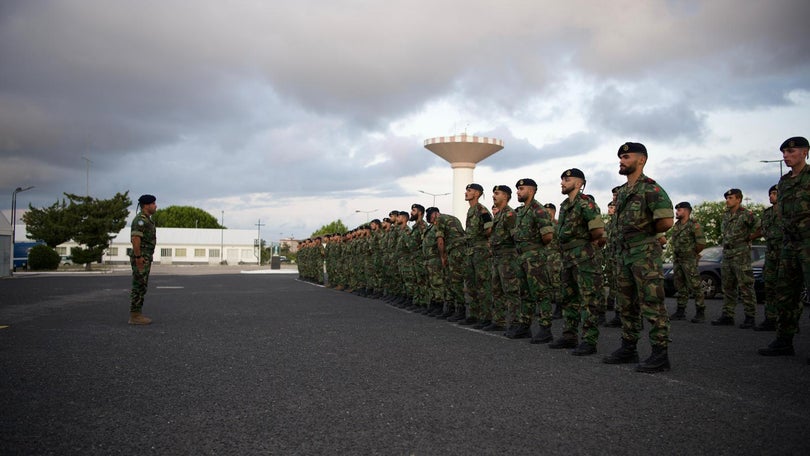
point(451, 244)
point(373, 263)
point(554, 264)
point(793, 204)
point(433, 266)
point(405, 256)
point(394, 279)
point(478, 258)
point(688, 241)
point(144, 237)
point(532, 234)
point(505, 283)
point(611, 265)
point(421, 298)
point(740, 226)
point(581, 233)
point(772, 230)
point(643, 209)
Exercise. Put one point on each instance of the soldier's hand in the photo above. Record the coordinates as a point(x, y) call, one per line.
point(139, 262)
point(601, 242)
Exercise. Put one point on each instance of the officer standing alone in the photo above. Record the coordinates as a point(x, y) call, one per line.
point(144, 237)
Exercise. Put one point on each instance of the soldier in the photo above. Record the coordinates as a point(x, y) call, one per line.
point(450, 242)
point(740, 226)
point(421, 298)
point(505, 284)
point(433, 266)
point(532, 233)
point(772, 230)
point(611, 265)
point(143, 235)
point(793, 204)
point(581, 233)
point(687, 242)
point(554, 264)
point(643, 209)
point(374, 262)
point(406, 259)
point(478, 258)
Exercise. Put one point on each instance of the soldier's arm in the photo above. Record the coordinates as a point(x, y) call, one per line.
point(662, 225)
point(598, 236)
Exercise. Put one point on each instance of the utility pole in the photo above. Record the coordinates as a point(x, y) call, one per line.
point(259, 241)
point(222, 237)
point(87, 187)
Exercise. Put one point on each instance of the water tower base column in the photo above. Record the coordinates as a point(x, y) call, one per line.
point(462, 176)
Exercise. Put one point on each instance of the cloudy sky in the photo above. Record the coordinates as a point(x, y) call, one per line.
point(302, 112)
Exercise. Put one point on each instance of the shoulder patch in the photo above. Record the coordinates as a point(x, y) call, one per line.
point(140, 222)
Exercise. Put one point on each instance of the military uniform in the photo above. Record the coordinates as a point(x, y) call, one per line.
point(143, 227)
point(581, 274)
point(772, 231)
point(422, 295)
point(737, 274)
point(685, 237)
point(449, 228)
point(505, 284)
point(478, 262)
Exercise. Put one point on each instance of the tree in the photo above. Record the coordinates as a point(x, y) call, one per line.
point(96, 222)
point(334, 227)
point(184, 217)
point(710, 216)
point(52, 225)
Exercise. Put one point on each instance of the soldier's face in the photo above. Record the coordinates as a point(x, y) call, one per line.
point(681, 213)
point(772, 196)
point(470, 194)
point(732, 201)
point(611, 210)
point(567, 184)
point(499, 198)
point(629, 163)
point(794, 156)
point(149, 209)
point(525, 193)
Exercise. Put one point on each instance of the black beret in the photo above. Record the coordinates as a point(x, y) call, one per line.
point(476, 187)
point(550, 206)
point(404, 214)
point(684, 205)
point(526, 182)
point(632, 147)
point(377, 221)
point(732, 191)
point(796, 141)
point(429, 212)
point(387, 220)
point(419, 207)
point(146, 199)
point(573, 172)
point(772, 189)
point(502, 188)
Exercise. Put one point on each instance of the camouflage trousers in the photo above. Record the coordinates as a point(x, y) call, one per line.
point(505, 288)
point(610, 278)
point(582, 299)
point(737, 276)
point(641, 295)
point(535, 281)
point(454, 276)
point(478, 281)
point(435, 280)
point(421, 295)
point(770, 274)
point(793, 278)
point(406, 271)
point(687, 282)
point(140, 280)
point(554, 273)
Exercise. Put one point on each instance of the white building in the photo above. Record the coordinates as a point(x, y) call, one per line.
point(5, 246)
point(179, 246)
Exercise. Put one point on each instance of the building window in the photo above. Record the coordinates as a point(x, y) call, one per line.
point(199, 253)
point(61, 250)
point(113, 251)
point(166, 253)
point(213, 253)
point(179, 252)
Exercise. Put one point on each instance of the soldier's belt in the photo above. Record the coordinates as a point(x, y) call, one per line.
point(528, 248)
point(573, 244)
point(647, 240)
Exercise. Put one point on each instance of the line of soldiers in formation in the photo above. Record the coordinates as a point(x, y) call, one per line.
point(505, 269)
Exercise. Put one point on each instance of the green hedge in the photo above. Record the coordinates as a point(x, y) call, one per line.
point(43, 258)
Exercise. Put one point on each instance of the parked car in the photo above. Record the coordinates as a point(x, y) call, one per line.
point(283, 259)
point(709, 267)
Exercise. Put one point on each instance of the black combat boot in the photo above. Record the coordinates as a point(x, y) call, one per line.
point(626, 354)
point(700, 316)
point(600, 319)
point(446, 314)
point(482, 324)
point(679, 314)
point(460, 314)
point(657, 362)
point(724, 320)
point(767, 324)
point(518, 332)
point(584, 349)
point(543, 335)
point(435, 309)
point(566, 341)
point(611, 304)
point(782, 346)
point(469, 321)
point(748, 323)
point(557, 312)
point(492, 326)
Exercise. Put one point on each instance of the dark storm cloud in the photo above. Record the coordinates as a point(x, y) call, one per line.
point(520, 152)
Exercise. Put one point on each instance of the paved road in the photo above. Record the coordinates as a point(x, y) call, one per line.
point(265, 364)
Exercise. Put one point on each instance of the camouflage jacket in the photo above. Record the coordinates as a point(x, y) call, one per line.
point(430, 246)
point(415, 238)
point(449, 228)
point(501, 241)
point(685, 237)
point(736, 229)
point(533, 222)
point(144, 227)
point(637, 209)
point(772, 229)
point(577, 219)
point(793, 204)
point(479, 220)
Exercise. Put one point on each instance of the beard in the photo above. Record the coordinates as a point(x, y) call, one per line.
point(627, 170)
point(522, 199)
point(414, 217)
point(566, 190)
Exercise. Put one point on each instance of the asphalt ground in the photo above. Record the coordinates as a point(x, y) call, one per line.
point(266, 364)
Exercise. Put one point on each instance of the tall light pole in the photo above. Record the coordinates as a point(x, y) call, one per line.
point(774, 161)
point(87, 188)
point(259, 241)
point(366, 212)
point(14, 221)
point(221, 237)
point(434, 195)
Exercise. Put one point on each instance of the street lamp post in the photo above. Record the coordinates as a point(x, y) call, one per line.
point(222, 238)
point(14, 220)
point(774, 161)
point(434, 195)
point(366, 212)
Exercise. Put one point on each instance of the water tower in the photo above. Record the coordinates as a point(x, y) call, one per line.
point(463, 152)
